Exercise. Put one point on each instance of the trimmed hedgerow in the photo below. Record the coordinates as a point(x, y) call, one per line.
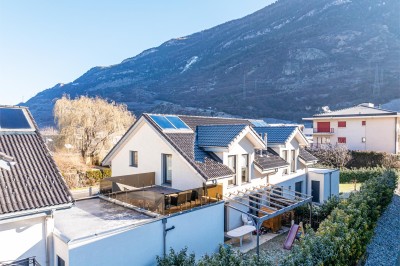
point(360, 175)
point(342, 238)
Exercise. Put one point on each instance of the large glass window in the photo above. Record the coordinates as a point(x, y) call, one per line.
point(232, 166)
point(245, 167)
point(167, 168)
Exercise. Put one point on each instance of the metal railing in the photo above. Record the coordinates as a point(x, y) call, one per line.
point(31, 261)
point(324, 130)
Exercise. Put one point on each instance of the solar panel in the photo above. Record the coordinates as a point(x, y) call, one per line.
point(162, 122)
point(177, 122)
point(11, 118)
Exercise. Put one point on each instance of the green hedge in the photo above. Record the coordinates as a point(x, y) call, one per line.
point(96, 175)
point(342, 238)
point(360, 175)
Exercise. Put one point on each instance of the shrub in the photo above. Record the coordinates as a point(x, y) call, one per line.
point(182, 258)
point(359, 175)
point(342, 238)
point(94, 175)
point(106, 172)
point(371, 159)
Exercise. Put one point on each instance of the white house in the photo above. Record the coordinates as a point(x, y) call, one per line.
point(31, 191)
point(190, 151)
point(362, 127)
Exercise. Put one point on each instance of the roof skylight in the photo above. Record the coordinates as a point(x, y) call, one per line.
point(169, 122)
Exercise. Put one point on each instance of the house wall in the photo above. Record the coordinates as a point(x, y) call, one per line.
point(201, 230)
point(20, 239)
point(329, 186)
point(150, 146)
point(60, 249)
point(380, 133)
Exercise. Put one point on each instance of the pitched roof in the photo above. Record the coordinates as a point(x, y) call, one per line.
point(34, 181)
point(276, 134)
point(269, 159)
point(307, 156)
point(359, 110)
point(194, 121)
point(217, 135)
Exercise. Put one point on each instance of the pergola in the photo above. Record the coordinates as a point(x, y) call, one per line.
point(277, 200)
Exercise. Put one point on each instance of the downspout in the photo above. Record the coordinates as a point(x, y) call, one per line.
point(165, 231)
point(47, 231)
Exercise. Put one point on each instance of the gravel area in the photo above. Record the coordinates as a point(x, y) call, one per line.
point(384, 248)
point(273, 248)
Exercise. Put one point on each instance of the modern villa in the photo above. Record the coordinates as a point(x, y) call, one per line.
point(363, 127)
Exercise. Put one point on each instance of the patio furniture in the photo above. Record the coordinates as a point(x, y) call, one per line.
point(181, 198)
point(194, 197)
point(240, 232)
point(246, 219)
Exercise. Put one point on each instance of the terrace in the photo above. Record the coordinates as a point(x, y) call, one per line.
point(140, 190)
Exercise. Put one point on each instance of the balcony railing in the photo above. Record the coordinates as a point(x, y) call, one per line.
point(31, 261)
point(324, 130)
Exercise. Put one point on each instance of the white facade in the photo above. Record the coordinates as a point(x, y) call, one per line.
point(364, 133)
point(21, 238)
point(328, 180)
point(201, 230)
point(150, 146)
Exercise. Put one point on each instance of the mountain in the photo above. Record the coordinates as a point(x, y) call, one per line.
point(285, 61)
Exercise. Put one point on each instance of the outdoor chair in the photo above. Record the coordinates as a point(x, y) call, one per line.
point(181, 199)
point(194, 197)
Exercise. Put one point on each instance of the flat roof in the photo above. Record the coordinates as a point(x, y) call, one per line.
point(322, 170)
point(95, 216)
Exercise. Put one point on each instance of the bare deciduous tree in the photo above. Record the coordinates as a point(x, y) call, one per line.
point(89, 124)
point(333, 155)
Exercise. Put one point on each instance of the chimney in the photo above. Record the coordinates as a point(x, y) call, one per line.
point(266, 139)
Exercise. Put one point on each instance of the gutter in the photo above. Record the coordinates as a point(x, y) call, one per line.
point(8, 217)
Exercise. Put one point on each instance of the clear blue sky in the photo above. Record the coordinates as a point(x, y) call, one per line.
point(46, 42)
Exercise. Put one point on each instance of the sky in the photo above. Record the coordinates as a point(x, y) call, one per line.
point(46, 42)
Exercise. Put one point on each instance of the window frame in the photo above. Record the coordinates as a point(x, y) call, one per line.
point(342, 124)
point(245, 167)
point(133, 158)
point(232, 181)
point(164, 164)
point(342, 140)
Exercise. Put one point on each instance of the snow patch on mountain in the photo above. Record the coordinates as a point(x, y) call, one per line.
point(190, 62)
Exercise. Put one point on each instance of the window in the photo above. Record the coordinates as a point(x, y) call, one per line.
point(60, 261)
point(363, 140)
point(245, 168)
point(341, 140)
point(293, 161)
point(285, 157)
point(363, 123)
point(133, 158)
point(232, 166)
point(167, 168)
point(342, 124)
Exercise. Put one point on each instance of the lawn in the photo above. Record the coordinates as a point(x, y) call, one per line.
point(348, 187)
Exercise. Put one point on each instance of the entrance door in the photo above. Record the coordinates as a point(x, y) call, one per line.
point(298, 187)
point(315, 190)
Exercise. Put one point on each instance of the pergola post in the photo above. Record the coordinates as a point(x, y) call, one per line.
point(258, 238)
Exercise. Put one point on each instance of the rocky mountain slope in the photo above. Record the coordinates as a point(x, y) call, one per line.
point(284, 61)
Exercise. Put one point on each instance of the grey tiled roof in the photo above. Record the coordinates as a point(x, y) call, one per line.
point(269, 160)
point(34, 181)
point(276, 134)
point(358, 110)
point(217, 135)
point(205, 163)
point(306, 156)
point(194, 121)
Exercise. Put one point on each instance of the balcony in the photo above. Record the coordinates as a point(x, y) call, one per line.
point(324, 131)
point(31, 261)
